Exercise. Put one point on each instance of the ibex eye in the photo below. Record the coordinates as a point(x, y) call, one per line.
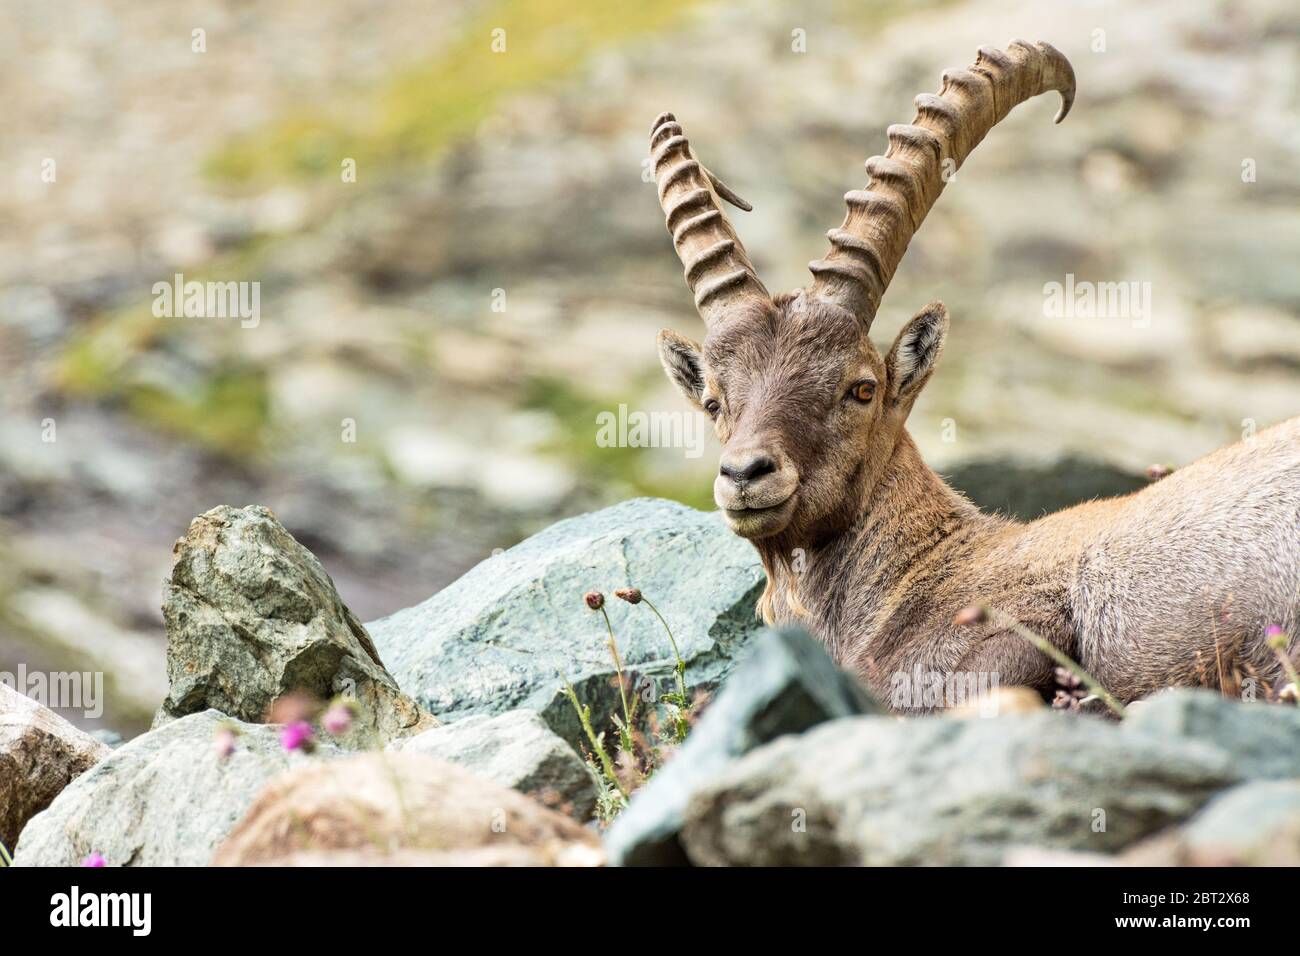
point(863, 391)
point(712, 406)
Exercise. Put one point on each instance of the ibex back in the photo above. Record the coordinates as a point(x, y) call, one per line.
point(864, 544)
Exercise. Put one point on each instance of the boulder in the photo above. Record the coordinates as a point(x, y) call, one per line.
point(1263, 740)
point(251, 615)
point(1254, 824)
point(1036, 857)
point(512, 630)
point(40, 754)
point(784, 685)
point(517, 750)
point(166, 798)
point(881, 791)
point(404, 807)
point(514, 854)
point(1028, 489)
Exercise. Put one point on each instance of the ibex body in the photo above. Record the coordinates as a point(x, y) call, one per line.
point(864, 544)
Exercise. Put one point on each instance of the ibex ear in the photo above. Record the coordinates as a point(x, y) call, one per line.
point(682, 361)
point(917, 348)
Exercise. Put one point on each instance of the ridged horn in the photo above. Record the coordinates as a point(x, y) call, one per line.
point(717, 269)
point(906, 181)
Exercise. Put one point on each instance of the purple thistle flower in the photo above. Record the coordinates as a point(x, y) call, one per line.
point(96, 859)
point(296, 736)
point(338, 717)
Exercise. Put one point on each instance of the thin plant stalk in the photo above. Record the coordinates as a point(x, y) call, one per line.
point(1061, 658)
point(1278, 642)
point(584, 715)
point(1289, 666)
point(625, 732)
point(5, 858)
point(680, 667)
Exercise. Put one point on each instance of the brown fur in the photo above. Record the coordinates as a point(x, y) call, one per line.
point(1142, 590)
point(865, 545)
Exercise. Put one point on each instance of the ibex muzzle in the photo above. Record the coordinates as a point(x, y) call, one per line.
point(863, 543)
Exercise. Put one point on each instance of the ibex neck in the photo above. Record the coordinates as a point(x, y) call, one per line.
point(909, 503)
point(838, 585)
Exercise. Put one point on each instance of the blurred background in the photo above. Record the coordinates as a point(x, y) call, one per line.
point(520, 170)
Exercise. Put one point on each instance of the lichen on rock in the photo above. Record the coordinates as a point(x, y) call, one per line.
point(252, 616)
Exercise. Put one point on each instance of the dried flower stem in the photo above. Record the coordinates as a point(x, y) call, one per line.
point(625, 732)
point(1289, 666)
point(1279, 644)
point(5, 858)
point(1048, 648)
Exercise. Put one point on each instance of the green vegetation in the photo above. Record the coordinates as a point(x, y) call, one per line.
point(678, 702)
point(639, 754)
point(91, 364)
point(115, 357)
point(228, 412)
point(427, 107)
point(612, 798)
point(618, 468)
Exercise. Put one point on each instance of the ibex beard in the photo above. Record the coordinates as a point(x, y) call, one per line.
point(1156, 589)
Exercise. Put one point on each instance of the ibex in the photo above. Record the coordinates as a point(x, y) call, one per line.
point(870, 549)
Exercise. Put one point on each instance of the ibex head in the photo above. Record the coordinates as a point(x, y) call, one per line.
point(806, 408)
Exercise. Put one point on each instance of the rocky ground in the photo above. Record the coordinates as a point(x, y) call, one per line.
point(474, 411)
point(307, 753)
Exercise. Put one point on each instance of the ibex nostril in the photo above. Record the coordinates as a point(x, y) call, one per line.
point(755, 467)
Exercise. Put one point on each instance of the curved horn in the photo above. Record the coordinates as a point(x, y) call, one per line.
point(907, 180)
point(717, 269)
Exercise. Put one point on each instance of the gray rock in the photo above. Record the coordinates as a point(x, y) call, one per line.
point(40, 754)
point(785, 685)
point(251, 615)
point(880, 791)
point(108, 737)
point(509, 632)
point(1255, 824)
point(377, 809)
point(516, 749)
point(1028, 489)
point(166, 798)
point(1263, 740)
